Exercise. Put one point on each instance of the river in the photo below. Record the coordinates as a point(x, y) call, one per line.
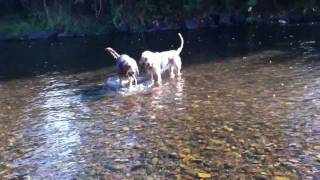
point(246, 107)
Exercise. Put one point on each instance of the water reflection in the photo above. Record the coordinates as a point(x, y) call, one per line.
point(169, 92)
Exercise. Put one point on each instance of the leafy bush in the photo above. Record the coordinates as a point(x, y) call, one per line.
point(95, 16)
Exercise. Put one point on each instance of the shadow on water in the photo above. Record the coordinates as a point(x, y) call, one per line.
point(94, 93)
point(247, 107)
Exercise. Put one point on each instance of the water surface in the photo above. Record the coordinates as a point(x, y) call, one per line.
point(247, 106)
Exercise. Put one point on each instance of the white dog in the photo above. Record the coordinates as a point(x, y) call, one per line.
point(127, 67)
point(156, 63)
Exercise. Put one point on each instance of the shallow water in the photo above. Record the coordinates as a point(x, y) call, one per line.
point(247, 106)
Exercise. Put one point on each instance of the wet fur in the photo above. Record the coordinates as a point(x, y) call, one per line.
point(127, 67)
point(156, 63)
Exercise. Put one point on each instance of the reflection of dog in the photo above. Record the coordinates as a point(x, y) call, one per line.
point(157, 63)
point(127, 67)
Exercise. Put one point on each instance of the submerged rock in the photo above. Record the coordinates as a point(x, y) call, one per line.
point(137, 167)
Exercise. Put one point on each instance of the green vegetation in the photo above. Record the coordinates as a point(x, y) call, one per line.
point(24, 17)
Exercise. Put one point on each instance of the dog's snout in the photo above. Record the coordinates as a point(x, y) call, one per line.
point(147, 65)
point(130, 73)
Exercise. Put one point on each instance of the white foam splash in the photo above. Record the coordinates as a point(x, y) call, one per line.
point(114, 84)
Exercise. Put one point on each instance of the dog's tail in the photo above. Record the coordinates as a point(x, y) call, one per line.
point(182, 42)
point(113, 53)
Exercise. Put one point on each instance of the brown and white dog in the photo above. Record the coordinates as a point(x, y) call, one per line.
point(156, 63)
point(126, 66)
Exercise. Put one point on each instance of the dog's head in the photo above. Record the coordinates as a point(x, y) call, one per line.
point(128, 71)
point(127, 66)
point(145, 60)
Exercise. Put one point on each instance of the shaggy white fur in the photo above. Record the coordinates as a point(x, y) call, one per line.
point(156, 63)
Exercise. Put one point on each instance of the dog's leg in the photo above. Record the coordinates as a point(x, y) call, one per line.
point(178, 72)
point(130, 82)
point(135, 80)
point(178, 65)
point(151, 75)
point(159, 79)
point(171, 71)
point(172, 66)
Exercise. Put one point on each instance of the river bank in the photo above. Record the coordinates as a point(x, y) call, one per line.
point(19, 29)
